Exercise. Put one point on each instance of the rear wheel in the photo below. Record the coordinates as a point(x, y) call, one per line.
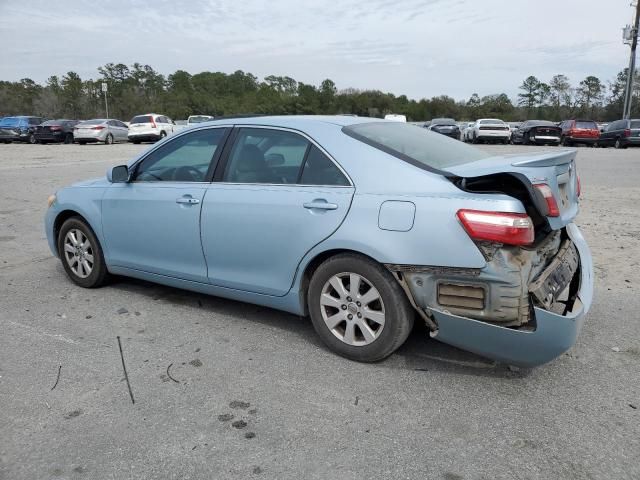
point(358, 309)
point(81, 254)
point(68, 138)
point(109, 139)
point(619, 144)
point(32, 139)
point(136, 142)
point(566, 142)
point(82, 143)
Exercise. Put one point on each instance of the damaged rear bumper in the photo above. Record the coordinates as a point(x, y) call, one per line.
point(547, 336)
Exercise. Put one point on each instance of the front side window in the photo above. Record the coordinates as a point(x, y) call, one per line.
point(186, 158)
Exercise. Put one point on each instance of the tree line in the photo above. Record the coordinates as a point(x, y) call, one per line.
point(139, 89)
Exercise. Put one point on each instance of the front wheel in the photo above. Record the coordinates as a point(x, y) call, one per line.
point(358, 309)
point(81, 254)
point(565, 142)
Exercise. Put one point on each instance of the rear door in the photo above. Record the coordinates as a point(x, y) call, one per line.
point(278, 196)
point(152, 223)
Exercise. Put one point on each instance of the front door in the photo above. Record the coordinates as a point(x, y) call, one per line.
point(152, 223)
point(278, 197)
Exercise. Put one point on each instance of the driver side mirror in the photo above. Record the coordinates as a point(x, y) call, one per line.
point(119, 174)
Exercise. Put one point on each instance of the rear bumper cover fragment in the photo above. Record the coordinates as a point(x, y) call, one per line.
point(552, 335)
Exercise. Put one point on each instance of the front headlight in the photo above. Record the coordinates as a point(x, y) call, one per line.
point(51, 200)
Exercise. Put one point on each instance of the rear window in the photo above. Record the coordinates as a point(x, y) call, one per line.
point(141, 119)
point(96, 121)
point(54, 122)
point(491, 121)
point(418, 146)
point(635, 124)
point(586, 125)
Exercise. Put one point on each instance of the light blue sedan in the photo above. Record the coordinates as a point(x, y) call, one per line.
point(362, 224)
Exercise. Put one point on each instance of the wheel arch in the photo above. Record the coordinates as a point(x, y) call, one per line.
point(313, 264)
point(62, 217)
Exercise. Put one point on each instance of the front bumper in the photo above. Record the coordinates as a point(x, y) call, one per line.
point(553, 334)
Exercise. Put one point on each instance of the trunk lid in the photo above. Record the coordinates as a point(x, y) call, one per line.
point(555, 169)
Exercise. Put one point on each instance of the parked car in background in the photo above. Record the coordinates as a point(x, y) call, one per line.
point(489, 130)
point(193, 119)
point(541, 132)
point(395, 117)
point(107, 130)
point(483, 249)
point(621, 134)
point(18, 128)
point(584, 132)
point(58, 131)
point(445, 126)
point(150, 127)
point(467, 130)
point(513, 126)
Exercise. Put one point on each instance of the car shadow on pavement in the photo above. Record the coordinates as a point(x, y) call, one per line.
point(419, 353)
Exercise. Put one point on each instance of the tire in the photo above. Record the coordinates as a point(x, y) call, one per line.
point(525, 139)
point(68, 139)
point(32, 139)
point(82, 143)
point(108, 139)
point(73, 263)
point(136, 142)
point(474, 139)
point(163, 134)
point(618, 145)
point(565, 142)
point(389, 306)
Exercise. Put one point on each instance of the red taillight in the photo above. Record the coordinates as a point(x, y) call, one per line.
point(508, 228)
point(547, 194)
point(99, 127)
point(55, 127)
point(627, 132)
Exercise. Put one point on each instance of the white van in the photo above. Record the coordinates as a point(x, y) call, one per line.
point(394, 117)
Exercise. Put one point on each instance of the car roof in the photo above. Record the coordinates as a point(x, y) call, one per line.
point(293, 121)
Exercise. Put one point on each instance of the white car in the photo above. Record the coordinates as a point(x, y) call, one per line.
point(466, 131)
point(489, 130)
point(150, 127)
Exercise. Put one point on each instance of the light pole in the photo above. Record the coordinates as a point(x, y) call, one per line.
point(630, 35)
point(106, 105)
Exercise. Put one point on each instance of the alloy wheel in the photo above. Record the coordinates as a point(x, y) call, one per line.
point(352, 309)
point(78, 253)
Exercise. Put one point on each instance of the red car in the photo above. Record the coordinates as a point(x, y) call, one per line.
point(579, 131)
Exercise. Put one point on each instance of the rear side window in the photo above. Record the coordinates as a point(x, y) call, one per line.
point(635, 124)
point(586, 125)
point(417, 146)
point(141, 119)
point(320, 170)
point(262, 155)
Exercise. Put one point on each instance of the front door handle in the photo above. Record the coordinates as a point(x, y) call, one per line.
point(188, 200)
point(320, 204)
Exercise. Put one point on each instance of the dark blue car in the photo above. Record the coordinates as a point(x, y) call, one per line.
point(18, 129)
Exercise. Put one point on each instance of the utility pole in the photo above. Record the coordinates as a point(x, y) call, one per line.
point(104, 90)
point(632, 35)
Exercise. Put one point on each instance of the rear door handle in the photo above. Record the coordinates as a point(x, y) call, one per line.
point(187, 200)
point(320, 204)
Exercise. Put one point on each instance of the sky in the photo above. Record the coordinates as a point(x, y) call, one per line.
point(419, 48)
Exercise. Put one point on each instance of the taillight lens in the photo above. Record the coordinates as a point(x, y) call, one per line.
point(627, 132)
point(99, 127)
point(507, 228)
point(55, 127)
point(547, 194)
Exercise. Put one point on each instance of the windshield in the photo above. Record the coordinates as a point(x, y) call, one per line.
point(417, 146)
point(9, 122)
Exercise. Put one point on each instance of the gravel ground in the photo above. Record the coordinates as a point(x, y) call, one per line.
point(251, 392)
